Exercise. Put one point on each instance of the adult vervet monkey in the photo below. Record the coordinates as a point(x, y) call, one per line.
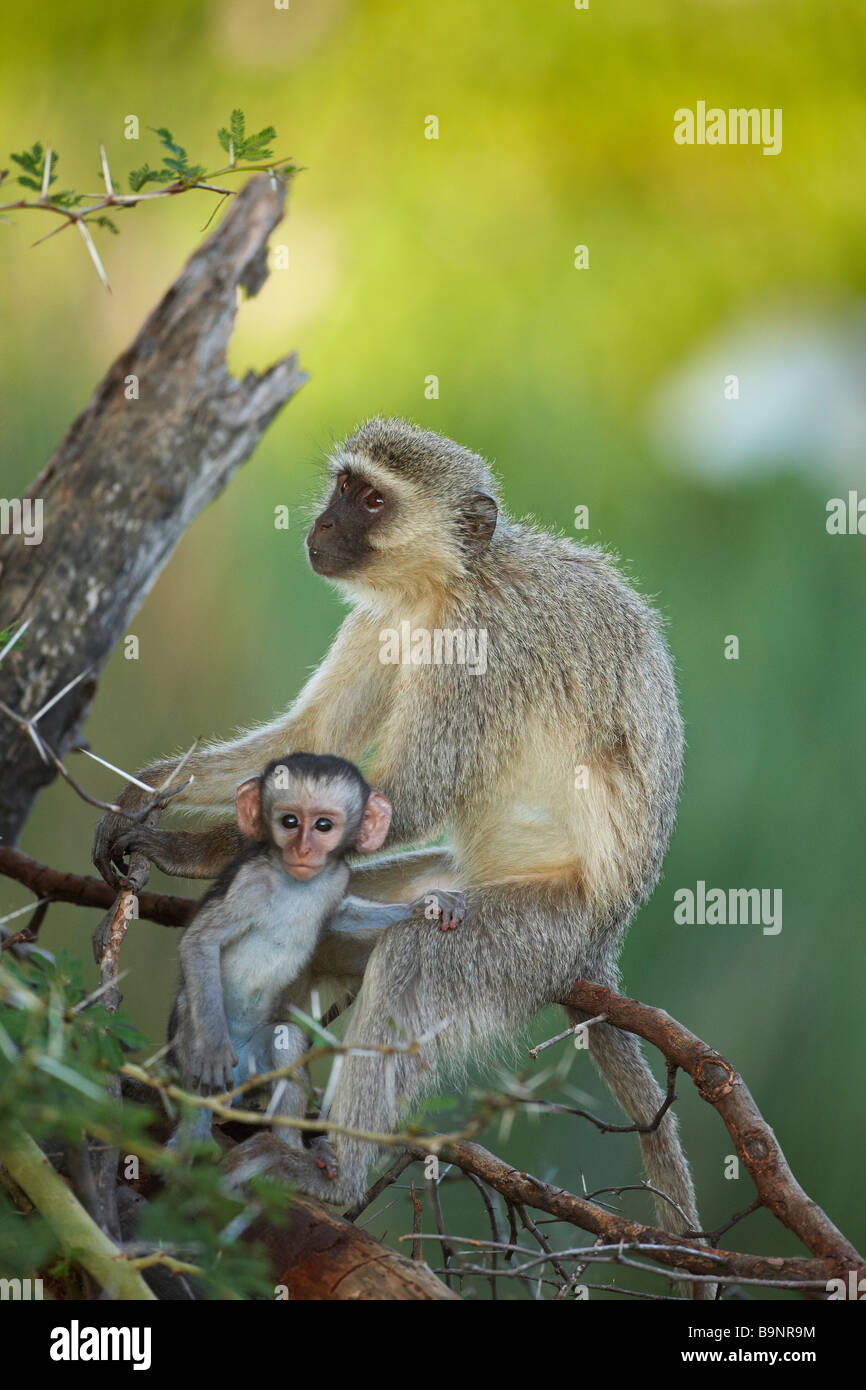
point(577, 674)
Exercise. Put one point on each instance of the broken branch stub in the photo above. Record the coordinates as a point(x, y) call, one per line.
point(125, 483)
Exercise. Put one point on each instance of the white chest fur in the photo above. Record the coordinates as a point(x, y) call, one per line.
point(278, 920)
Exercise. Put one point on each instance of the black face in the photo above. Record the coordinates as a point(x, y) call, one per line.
point(339, 540)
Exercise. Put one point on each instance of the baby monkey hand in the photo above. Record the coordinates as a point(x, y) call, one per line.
point(441, 905)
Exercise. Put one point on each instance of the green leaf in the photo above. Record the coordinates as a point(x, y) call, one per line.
point(254, 146)
point(168, 140)
point(103, 221)
point(32, 161)
point(242, 146)
point(139, 177)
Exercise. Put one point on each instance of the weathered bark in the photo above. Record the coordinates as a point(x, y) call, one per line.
point(320, 1256)
point(126, 482)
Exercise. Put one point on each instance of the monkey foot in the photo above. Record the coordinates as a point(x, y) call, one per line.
point(324, 1157)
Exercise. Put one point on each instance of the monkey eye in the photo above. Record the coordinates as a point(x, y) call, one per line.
point(289, 821)
point(324, 824)
point(343, 482)
point(373, 500)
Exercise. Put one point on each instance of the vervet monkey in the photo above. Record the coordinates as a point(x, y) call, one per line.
point(246, 957)
point(577, 674)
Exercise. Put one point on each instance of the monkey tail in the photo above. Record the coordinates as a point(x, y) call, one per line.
point(619, 1059)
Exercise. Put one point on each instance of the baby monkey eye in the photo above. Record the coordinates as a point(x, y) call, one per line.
point(289, 821)
point(324, 824)
point(373, 500)
point(343, 482)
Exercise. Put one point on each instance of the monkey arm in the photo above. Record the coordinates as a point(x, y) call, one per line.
point(184, 853)
point(202, 1044)
point(402, 877)
point(347, 941)
point(336, 712)
point(345, 945)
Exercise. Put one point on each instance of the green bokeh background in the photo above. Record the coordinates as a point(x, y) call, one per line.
point(410, 257)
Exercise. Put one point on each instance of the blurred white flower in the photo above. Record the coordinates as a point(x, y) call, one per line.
point(801, 378)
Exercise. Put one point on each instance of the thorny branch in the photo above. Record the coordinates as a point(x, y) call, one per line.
point(96, 203)
point(160, 795)
point(717, 1082)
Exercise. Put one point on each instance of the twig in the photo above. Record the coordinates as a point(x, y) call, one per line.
point(27, 936)
point(494, 1226)
point(713, 1237)
point(571, 1032)
point(417, 1218)
point(533, 1230)
point(448, 1250)
point(47, 754)
point(78, 216)
point(218, 1106)
point(399, 1166)
point(557, 1108)
point(656, 1192)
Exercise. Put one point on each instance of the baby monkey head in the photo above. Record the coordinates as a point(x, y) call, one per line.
point(311, 809)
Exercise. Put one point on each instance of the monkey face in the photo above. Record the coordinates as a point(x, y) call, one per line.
point(339, 541)
point(305, 835)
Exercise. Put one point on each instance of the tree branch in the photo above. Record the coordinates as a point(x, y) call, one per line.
point(724, 1089)
point(675, 1252)
point(85, 891)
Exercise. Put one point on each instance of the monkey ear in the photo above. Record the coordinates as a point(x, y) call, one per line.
point(479, 521)
point(248, 808)
point(375, 823)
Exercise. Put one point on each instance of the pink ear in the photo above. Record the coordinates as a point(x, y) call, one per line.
point(248, 808)
point(375, 823)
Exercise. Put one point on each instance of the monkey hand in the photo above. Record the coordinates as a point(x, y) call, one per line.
point(108, 831)
point(140, 839)
point(441, 905)
point(211, 1062)
point(106, 856)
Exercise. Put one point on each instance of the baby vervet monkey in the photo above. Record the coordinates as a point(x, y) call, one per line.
point(246, 957)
